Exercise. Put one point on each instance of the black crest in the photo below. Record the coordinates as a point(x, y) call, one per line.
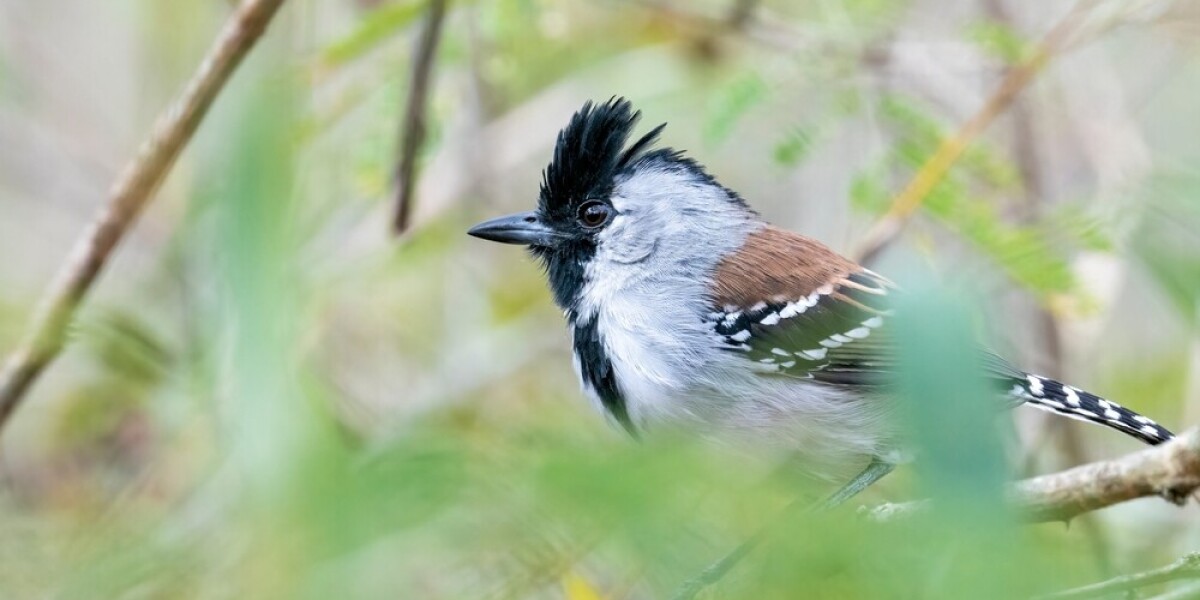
point(590, 153)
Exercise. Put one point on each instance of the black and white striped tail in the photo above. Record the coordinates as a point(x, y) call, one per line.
point(1059, 398)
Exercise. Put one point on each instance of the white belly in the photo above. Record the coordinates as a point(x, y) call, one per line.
point(679, 378)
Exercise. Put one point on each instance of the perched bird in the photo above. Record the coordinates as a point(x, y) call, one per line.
point(687, 309)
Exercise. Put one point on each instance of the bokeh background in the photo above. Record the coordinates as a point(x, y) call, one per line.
point(269, 395)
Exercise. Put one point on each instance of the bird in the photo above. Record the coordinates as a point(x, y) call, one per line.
point(687, 309)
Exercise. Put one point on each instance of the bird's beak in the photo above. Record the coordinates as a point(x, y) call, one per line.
point(522, 228)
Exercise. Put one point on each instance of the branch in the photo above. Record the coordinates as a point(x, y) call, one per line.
point(1171, 471)
point(884, 231)
point(412, 130)
point(127, 197)
point(1187, 567)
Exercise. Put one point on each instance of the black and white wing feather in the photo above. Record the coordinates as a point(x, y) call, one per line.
point(835, 334)
point(793, 307)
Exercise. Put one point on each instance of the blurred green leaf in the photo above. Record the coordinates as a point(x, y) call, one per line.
point(1075, 223)
point(867, 194)
point(732, 102)
point(919, 134)
point(1024, 253)
point(374, 28)
point(1000, 40)
point(796, 145)
point(127, 346)
point(1167, 241)
point(1031, 255)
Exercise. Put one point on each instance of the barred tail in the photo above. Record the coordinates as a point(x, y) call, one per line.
point(1059, 398)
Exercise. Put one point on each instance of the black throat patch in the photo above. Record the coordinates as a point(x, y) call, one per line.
point(597, 372)
point(590, 153)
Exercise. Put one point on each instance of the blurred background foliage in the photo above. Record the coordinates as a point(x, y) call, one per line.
point(267, 396)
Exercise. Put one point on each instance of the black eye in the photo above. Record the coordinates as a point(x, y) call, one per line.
point(594, 214)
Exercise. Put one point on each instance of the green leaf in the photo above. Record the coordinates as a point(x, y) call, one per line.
point(1024, 253)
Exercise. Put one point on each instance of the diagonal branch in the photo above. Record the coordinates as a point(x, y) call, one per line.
point(1171, 471)
point(951, 149)
point(127, 197)
point(1186, 567)
point(413, 130)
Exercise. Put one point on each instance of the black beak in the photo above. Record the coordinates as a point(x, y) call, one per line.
point(522, 228)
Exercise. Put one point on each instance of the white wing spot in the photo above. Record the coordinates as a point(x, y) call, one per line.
point(779, 351)
point(1143, 420)
point(873, 322)
point(758, 307)
point(741, 336)
point(1112, 414)
point(770, 319)
point(815, 354)
point(1148, 430)
point(837, 337)
point(789, 364)
point(789, 311)
point(767, 360)
point(858, 333)
point(732, 318)
point(830, 344)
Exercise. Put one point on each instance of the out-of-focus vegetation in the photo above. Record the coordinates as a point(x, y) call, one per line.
point(268, 397)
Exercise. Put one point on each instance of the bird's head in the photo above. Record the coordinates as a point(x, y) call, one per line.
point(620, 211)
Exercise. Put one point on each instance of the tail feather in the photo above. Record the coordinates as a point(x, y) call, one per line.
point(1059, 398)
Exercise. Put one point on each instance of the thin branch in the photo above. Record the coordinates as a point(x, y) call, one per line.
point(1187, 567)
point(1171, 471)
point(951, 149)
point(127, 197)
point(413, 130)
point(1189, 592)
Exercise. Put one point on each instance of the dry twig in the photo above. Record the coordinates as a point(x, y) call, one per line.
point(1171, 471)
point(1187, 567)
point(412, 130)
point(127, 197)
point(951, 149)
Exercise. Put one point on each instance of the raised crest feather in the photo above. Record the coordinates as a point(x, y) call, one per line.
point(590, 152)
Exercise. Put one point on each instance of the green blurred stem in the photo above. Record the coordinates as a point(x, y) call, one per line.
point(1171, 471)
point(1187, 567)
point(874, 471)
point(127, 197)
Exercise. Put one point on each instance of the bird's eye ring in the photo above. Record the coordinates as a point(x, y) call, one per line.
point(594, 214)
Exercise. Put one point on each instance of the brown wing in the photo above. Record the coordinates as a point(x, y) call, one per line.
point(794, 306)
